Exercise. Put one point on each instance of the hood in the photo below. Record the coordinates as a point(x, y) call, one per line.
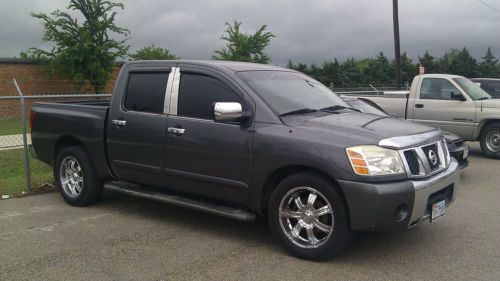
point(492, 103)
point(362, 128)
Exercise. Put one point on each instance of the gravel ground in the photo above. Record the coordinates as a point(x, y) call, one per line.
point(126, 238)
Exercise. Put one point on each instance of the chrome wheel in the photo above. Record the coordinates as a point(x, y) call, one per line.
point(71, 176)
point(493, 141)
point(307, 225)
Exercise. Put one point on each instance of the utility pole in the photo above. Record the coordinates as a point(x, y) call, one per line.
point(397, 52)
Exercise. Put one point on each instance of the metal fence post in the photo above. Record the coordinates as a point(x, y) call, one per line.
point(25, 139)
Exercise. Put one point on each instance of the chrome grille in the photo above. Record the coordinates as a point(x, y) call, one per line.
point(425, 160)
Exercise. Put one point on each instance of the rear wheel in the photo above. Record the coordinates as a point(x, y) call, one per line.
point(75, 177)
point(308, 216)
point(490, 141)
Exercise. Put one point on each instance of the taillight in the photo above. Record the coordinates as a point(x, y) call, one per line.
point(32, 119)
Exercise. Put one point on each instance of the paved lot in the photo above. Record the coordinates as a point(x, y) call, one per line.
point(125, 238)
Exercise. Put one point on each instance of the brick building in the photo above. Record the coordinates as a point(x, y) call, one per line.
point(33, 79)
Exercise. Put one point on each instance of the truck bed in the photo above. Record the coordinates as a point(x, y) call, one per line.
point(75, 122)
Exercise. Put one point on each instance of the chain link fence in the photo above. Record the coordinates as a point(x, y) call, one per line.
point(19, 170)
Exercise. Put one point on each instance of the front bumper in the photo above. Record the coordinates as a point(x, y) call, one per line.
point(398, 205)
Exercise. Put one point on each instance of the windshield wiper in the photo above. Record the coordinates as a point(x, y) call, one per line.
point(299, 111)
point(338, 107)
point(484, 98)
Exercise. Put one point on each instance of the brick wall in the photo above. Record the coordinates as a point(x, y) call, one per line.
point(34, 80)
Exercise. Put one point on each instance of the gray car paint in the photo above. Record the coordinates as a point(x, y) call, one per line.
point(236, 163)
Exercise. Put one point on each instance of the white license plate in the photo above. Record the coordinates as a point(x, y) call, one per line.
point(438, 210)
point(466, 153)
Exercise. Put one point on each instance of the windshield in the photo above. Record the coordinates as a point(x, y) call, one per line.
point(286, 91)
point(474, 91)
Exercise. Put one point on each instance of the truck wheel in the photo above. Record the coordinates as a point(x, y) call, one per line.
point(76, 178)
point(490, 141)
point(308, 216)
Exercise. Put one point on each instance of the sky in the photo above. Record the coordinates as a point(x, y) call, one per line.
point(309, 31)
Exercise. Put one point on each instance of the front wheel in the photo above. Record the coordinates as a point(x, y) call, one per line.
point(308, 216)
point(490, 141)
point(75, 177)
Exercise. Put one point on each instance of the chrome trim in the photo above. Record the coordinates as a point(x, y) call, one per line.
point(119, 122)
point(411, 140)
point(174, 96)
point(297, 218)
point(227, 111)
point(168, 91)
point(424, 188)
point(443, 154)
point(177, 131)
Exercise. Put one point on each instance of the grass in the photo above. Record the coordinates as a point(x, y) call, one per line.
point(12, 175)
point(11, 126)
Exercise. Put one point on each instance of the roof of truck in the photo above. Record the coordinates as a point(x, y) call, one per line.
point(232, 65)
point(438, 75)
point(485, 79)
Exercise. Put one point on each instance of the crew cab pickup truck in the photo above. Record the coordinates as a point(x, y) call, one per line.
point(244, 140)
point(450, 102)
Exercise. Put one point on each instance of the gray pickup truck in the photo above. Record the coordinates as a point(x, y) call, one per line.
point(242, 140)
point(450, 102)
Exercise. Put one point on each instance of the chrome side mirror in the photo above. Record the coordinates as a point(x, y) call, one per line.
point(228, 111)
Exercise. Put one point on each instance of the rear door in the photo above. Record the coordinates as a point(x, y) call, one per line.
point(434, 106)
point(209, 158)
point(137, 128)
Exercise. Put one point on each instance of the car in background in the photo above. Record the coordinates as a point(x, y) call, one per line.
point(456, 145)
point(489, 85)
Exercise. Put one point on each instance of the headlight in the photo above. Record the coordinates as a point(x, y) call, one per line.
point(372, 160)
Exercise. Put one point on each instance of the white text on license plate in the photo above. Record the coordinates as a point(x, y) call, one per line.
point(438, 210)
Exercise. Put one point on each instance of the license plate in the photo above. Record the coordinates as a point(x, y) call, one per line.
point(466, 153)
point(438, 210)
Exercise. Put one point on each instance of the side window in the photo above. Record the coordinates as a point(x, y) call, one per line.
point(494, 89)
point(146, 91)
point(437, 89)
point(198, 94)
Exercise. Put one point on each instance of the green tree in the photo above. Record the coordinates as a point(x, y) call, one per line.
point(378, 71)
point(244, 47)
point(459, 62)
point(86, 50)
point(429, 63)
point(350, 73)
point(408, 69)
point(152, 52)
point(489, 66)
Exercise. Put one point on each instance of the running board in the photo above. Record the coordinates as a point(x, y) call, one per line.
point(211, 208)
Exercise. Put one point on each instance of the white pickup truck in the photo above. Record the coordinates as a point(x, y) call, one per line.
point(450, 102)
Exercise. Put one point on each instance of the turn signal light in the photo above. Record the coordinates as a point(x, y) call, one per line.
point(358, 162)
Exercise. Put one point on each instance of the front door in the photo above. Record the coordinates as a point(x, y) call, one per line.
point(137, 129)
point(205, 156)
point(436, 107)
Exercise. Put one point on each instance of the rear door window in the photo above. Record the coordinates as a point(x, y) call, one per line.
point(146, 92)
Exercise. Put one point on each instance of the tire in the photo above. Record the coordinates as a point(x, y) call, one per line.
point(490, 141)
point(322, 236)
point(75, 177)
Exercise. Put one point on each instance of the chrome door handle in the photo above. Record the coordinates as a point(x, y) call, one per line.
point(119, 123)
point(177, 131)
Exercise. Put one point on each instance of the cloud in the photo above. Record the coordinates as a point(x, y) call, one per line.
point(307, 31)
